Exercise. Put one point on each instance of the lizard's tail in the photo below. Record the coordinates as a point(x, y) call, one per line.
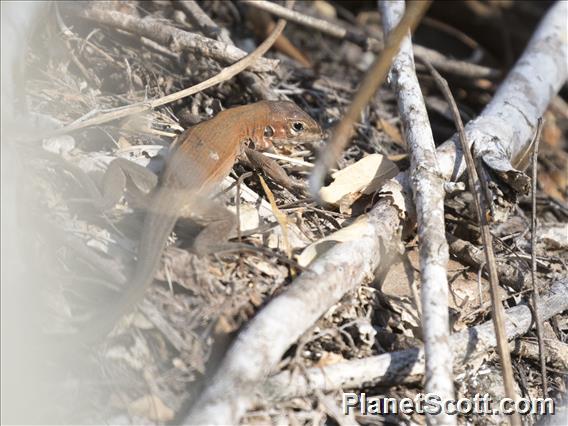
point(158, 224)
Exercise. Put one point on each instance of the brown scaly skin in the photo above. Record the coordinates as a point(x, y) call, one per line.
point(199, 159)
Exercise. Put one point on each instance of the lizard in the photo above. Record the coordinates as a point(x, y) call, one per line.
point(198, 160)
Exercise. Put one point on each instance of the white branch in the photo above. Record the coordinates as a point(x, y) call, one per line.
point(428, 189)
point(500, 134)
point(408, 365)
point(262, 343)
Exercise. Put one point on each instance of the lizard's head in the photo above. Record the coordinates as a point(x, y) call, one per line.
point(287, 122)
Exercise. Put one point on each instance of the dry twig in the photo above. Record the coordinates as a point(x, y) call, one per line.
point(481, 206)
point(536, 291)
point(442, 62)
point(209, 27)
point(178, 40)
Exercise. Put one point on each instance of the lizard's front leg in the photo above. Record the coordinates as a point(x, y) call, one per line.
point(273, 170)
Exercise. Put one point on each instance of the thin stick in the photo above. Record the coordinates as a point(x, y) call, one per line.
point(481, 207)
point(536, 291)
point(176, 39)
point(375, 76)
point(290, 160)
point(321, 25)
point(140, 107)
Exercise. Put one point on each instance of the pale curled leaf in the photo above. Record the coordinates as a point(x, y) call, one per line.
point(363, 177)
point(351, 232)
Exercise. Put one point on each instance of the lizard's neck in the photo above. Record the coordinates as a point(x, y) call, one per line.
point(250, 121)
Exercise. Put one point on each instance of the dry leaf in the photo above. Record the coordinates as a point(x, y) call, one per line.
point(255, 298)
point(463, 296)
point(551, 133)
point(550, 184)
point(363, 177)
point(123, 143)
point(392, 132)
point(329, 358)
point(224, 325)
point(152, 408)
point(141, 321)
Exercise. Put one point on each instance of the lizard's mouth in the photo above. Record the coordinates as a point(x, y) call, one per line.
point(278, 142)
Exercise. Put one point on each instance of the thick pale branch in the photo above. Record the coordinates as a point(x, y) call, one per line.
point(259, 347)
point(500, 135)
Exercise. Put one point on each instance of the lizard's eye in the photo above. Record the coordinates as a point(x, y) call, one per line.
point(297, 126)
point(268, 132)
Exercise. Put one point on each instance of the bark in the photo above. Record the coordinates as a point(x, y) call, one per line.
point(501, 133)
